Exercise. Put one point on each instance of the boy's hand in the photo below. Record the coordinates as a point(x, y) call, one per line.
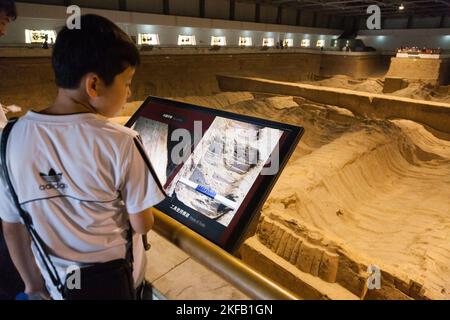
point(37, 288)
point(19, 247)
point(42, 293)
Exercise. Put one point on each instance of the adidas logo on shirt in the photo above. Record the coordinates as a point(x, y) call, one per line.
point(53, 180)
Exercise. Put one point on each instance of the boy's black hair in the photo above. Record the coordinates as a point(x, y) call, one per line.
point(99, 46)
point(9, 8)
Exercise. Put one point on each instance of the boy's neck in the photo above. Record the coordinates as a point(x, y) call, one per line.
point(69, 102)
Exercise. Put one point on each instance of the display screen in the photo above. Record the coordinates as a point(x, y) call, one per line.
point(217, 168)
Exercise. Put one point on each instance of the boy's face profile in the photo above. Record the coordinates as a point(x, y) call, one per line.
point(108, 100)
point(4, 21)
point(93, 67)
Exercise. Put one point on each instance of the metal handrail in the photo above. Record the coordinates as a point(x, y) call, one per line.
point(228, 267)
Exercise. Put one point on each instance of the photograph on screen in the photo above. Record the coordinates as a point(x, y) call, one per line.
point(220, 171)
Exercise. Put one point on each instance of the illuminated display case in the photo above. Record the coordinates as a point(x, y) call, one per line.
point(148, 39)
point(288, 42)
point(245, 41)
point(186, 40)
point(39, 36)
point(216, 167)
point(268, 42)
point(306, 43)
point(218, 41)
point(320, 43)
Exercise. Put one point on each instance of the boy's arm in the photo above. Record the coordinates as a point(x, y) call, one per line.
point(140, 189)
point(19, 247)
point(143, 221)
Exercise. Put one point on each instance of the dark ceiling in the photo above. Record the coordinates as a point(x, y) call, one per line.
point(343, 10)
point(358, 8)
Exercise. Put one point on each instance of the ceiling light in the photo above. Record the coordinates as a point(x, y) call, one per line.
point(401, 7)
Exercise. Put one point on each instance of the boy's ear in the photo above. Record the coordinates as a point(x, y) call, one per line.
point(92, 85)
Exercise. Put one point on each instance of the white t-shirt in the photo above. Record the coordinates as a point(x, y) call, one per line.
point(79, 177)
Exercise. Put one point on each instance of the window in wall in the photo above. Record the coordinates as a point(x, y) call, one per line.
point(288, 42)
point(218, 41)
point(39, 36)
point(245, 41)
point(148, 39)
point(320, 43)
point(186, 40)
point(268, 42)
point(306, 43)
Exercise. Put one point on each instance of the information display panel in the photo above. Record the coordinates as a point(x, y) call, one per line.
point(216, 167)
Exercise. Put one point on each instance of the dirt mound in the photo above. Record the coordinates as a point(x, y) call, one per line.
point(372, 85)
point(372, 191)
point(425, 91)
point(420, 90)
point(378, 189)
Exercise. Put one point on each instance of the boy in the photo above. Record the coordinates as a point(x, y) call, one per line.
point(102, 179)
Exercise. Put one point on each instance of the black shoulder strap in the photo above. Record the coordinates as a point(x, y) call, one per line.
point(38, 242)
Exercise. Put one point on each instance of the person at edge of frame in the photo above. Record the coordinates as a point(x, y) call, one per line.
point(10, 282)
